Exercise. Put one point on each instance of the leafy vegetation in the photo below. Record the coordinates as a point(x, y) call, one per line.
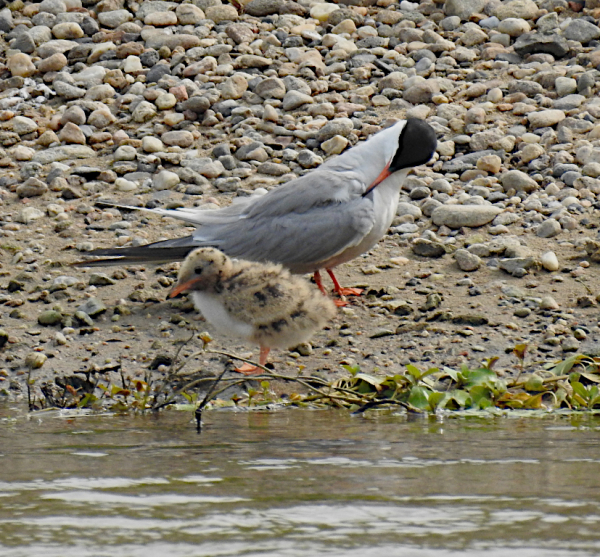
point(571, 384)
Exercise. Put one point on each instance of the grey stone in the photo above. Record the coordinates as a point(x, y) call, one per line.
point(457, 216)
point(68, 91)
point(582, 31)
point(261, 8)
point(427, 248)
point(548, 229)
point(197, 104)
point(518, 266)
point(100, 279)
point(271, 88)
point(339, 126)
point(57, 154)
point(569, 344)
point(62, 283)
point(307, 159)
point(50, 317)
point(532, 43)
point(92, 307)
point(32, 187)
point(296, 84)
point(519, 181)
point(464, 8)
point(466, 260)
point(24, 42)
point(295, 99)
point(465, 162)
point(6, 20)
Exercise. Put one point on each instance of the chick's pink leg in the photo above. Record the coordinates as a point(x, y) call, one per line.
point(249, 369)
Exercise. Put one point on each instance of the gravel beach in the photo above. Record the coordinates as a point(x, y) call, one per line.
point(190, 104)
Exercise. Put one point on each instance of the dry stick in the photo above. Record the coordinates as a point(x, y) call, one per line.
point(321, 394)
point(198, 411)
point(269, 374)
point(29, 388)
point(234, 357)
point(171, 373)
point(544, 381)
point(197, 381)
point(589, 290)
point(374, 403)
point(171, 399)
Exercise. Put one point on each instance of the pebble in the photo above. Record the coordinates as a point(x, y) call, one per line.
point(569, 344)
point(165, 180)
point(152, 144)
point(20, 65)
point(458, 216)
point(519, 181)
point(549, 229)
point(180, 138)
point(29, 214)
point(549, 261)
point(545, 118)
point(295, 99)
point(92, 307)
point(50, 317)
point(334, 145)
point(466, 260)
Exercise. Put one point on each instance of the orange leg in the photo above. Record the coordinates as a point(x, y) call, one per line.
point(319, 282)
point(343, 291)
point(249, 369)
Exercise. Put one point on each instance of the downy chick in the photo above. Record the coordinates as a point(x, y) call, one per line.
point(259, 302)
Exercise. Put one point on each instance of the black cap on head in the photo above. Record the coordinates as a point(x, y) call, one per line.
point(416, 145)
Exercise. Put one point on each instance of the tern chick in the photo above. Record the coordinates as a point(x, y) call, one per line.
point(258, 302)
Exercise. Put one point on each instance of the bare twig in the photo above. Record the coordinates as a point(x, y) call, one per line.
point(374, 403)
point(29, 388)
point(198, 411)
point(170, 373)
point(235, 357)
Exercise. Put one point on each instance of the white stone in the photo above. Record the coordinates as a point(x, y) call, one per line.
point(550, 261)
point(29, 214)
point(152, 144)
point(125, 153)
point(125, 185)
point(132, 64)
point(165, 180)
point(166, 101)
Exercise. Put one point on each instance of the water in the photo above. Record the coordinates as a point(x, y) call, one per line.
point(299, 483)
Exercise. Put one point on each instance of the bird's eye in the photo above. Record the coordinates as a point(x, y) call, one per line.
point(198, 270)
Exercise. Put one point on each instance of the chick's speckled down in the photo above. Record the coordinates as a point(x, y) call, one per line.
point(262, 303)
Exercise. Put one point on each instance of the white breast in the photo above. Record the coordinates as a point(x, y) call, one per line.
point(385, 203)
point(215, 313)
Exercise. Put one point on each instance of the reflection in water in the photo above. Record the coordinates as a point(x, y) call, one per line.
point(299, 483)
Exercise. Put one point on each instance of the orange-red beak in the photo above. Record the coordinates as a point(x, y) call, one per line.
point(384, 174)
point(179, 288)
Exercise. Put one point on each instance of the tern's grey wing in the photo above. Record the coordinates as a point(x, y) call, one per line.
point(296, 240)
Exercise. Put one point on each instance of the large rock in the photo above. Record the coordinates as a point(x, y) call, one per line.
point(65, 152)
point(519, 181)
point(471, 216)
point(533, 43)
point(545, 118)
point(464, 8)
point(262, 8)
point(582, 31)
point(157, 40)
point(524, 9)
